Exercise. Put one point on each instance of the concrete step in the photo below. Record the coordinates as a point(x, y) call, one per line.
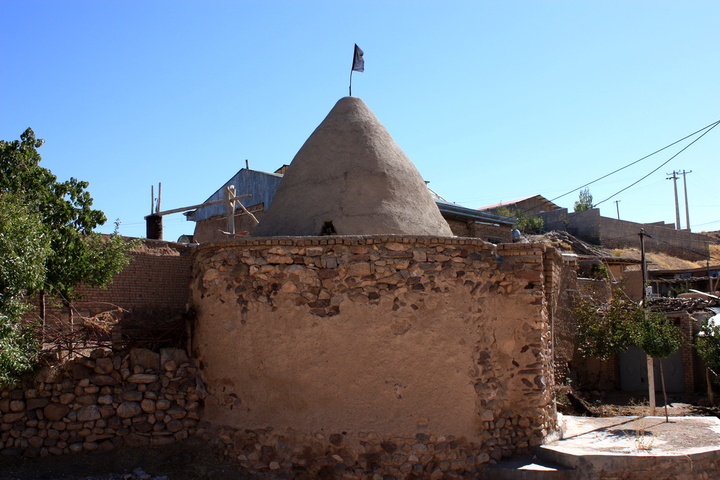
point(528, 469)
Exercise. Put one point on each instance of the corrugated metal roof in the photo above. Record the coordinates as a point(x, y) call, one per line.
point(261, 185)
point(548, 205)
point(458, 212)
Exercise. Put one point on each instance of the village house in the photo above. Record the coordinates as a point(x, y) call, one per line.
point(389, 333)
point(364, 324)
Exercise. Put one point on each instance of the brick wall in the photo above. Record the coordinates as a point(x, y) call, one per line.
point(154, 285)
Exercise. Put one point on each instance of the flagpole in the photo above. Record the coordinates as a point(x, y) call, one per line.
point(358, 64)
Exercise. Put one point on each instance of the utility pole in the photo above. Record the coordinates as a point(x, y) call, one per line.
point(687, 208)
point(643, 264)
point(650, 366)
point(677, 205)
point(617, 207)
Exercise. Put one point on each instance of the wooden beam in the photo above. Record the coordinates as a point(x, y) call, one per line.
point(216, 202)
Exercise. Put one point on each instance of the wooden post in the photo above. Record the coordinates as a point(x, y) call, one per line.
point(230, 208)
point(246, 211)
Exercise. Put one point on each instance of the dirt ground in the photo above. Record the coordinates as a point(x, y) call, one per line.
point(195, 460)
point(192, 459)
point(619, 404)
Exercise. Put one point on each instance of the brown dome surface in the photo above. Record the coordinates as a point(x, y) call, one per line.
point(351, 178)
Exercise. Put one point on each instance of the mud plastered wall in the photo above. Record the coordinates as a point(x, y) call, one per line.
point(328, 349)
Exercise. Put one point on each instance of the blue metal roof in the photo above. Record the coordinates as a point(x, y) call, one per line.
point(261, 185)
point(458, 212)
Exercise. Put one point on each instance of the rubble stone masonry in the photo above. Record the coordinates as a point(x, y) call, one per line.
point(374, 355)
point(102, 402)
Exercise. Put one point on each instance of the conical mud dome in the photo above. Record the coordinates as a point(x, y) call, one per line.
point(351, 178)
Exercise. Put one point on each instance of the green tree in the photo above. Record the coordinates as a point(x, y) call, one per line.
point(707, 345)
point(60, 216)
point(609, 329)
point(656, 335)
point(24, 247)
point(78, 254)
point(525, 223)
point(584, 201)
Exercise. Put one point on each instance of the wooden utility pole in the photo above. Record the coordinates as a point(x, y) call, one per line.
point(617, 207)
point(674, 178)
point(650, 366)
point(230, 209)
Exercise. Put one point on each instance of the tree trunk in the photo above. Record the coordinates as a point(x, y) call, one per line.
point(651, 385)
point(708, 380)
point(42, 316)
point(662, 380)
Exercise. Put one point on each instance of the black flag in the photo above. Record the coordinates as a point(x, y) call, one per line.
point(358, 60)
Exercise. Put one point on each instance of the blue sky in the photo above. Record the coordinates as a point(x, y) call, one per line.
point(492, 101)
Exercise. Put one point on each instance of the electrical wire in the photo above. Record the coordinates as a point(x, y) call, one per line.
point(661, 165)
point(708, 128)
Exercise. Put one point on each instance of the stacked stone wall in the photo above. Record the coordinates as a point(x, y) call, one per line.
point(100, 403)
point(390, 354)
point(593, 228)
point(488, 232)
point(564, 288)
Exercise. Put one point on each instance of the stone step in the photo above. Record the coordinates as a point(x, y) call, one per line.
point(528, 469)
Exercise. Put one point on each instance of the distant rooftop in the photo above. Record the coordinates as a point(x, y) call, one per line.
point(540, 204)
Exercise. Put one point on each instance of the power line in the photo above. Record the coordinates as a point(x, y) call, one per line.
point(706, 223)
point(710, 127)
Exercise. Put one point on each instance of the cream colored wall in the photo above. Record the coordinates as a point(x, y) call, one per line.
point(353, 371)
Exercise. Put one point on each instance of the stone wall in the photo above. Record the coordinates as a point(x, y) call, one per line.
point(593, 228)
point(102, 402)
point(563, 321)
point(488, 232)
point(392, 354)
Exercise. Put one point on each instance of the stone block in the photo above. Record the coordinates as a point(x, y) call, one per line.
point(55, 412)
point(88, 413)
point(144, 358)
point(129, 409)
point(177, 355)
point(142, 378)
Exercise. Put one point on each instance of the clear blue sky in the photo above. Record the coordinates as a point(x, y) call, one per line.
point(492, 101)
